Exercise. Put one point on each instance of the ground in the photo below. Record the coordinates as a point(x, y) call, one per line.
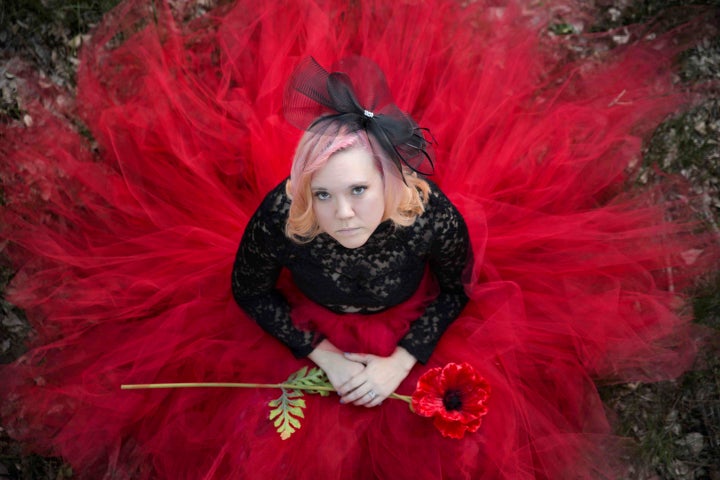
point(675, 424)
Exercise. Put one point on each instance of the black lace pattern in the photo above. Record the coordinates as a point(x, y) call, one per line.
point(382, 273)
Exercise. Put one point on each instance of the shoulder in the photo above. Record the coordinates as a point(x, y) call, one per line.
point(441, 213)
point(277, 198)
point(271, 215)
point(438, 202)
point(276, 204)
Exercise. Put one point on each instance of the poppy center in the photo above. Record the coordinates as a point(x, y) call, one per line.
point(452, 400)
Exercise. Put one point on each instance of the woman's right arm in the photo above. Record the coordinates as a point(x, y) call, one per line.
point(255, 274)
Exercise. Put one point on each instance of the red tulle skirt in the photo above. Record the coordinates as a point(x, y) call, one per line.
point(124, 207)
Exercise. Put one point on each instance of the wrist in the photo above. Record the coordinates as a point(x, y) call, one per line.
point(322, 352)
point(404, 358)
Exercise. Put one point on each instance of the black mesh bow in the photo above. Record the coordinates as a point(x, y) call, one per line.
point(314, 96)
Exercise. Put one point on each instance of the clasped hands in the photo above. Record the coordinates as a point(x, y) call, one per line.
point(362, 379)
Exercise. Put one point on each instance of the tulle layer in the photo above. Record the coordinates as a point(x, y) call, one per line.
point(124, 246)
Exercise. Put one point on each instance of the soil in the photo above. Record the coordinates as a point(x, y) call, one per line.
point(675, 425)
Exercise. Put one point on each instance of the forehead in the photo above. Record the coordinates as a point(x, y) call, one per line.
point(345, 168)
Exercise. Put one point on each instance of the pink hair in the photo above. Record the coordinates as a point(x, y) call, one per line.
point(403, 201)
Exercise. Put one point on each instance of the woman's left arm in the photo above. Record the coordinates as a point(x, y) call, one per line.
point(450, 254)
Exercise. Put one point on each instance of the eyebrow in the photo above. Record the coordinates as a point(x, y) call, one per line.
point(353, 185)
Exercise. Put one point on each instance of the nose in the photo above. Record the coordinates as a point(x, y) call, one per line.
point(344, 209)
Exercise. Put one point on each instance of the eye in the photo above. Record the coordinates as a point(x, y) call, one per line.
point(359, 190)
point(320, 195)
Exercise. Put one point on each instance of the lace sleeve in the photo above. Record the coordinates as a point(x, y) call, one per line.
point(450, 253)
point(255, 273)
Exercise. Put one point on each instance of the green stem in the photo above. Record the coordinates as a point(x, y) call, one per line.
point(319, 388)
point(316, 388)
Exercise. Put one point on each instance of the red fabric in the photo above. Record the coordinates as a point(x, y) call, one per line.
point(124, 247)
point(378, 334)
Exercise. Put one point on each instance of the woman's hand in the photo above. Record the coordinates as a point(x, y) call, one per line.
point(380, 377)
point(338, 368)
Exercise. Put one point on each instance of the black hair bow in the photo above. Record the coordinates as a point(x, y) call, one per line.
point(314, 96)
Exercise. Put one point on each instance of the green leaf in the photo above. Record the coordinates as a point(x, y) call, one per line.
point(294, 422)
point(285, 434)
point(283, 416)
point(296, 411)
point(275, 412)
point(287, 410)
point(314, 377)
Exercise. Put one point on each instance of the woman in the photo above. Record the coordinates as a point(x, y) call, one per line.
point(384, 225)
point(124, 248)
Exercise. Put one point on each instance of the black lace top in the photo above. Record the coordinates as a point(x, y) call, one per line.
point(383, 272)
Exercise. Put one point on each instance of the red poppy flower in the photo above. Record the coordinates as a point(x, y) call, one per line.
point(455, 396)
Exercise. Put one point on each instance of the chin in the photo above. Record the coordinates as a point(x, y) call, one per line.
point(355, 242)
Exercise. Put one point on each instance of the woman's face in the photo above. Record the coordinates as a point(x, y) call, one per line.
point(348, 197)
